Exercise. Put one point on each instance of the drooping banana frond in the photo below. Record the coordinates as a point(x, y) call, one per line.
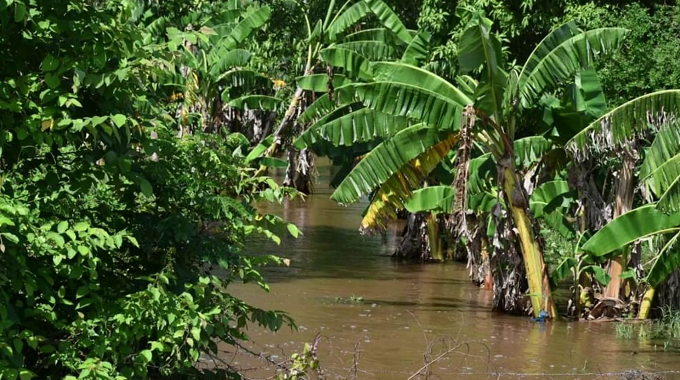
point(399, 187)
point(245, 80)
point(667, 262)
point(561, 64)
point(543, 49)
point(418, 49)
point(357, 127)
point(437, 199)
point(372, 50)
point(387, 159)
point(377, 34)
point(225, 61)
point(253, 21)
point(551, 202)
point(661, 166)
point(414, 76)
point(530, 150)
point(347, 19)
point(646, 112)
point(389, 19)
point(319, 82)
point(356, 65)
point(479, 47)
point(405, 100)
point(639, 223)
point(261, 102)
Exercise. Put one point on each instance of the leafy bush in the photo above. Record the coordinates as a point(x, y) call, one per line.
point(116, 248)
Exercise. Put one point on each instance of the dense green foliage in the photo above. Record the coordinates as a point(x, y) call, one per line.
point(118, 240)
point(127, 147)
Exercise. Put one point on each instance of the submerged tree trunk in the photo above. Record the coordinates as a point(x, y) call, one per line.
point(507, 271)
point(532, 254)
point(624, 203)
point(413, 243)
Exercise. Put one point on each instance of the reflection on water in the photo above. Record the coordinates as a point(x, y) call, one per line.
point(409, 307)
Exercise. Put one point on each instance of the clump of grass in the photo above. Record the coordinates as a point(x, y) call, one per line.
point(668, 327)
point(624, 330)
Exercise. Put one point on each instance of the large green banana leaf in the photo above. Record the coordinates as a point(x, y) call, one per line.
point(437, 199)
point(543, 49)
point(667, 262)
point(411, 75)
point(479, 47)
point(639, 223)
point(551, 202)
point(319, 82)
point(262, 102)
point(356, 127)
point(621, 123)
point(389, 19)
point(661, 166)
point(401, 99)
point(397, 189)
point(252, 22)
point(385, 160)
point(561, 63)
point(372, 50)
point(377, 34)
point(530, 150)
point(347, 19)
point(418, 50)
point(356, 65)
point(228, 60)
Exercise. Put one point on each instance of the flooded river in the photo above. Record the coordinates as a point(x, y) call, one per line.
point(409, 313)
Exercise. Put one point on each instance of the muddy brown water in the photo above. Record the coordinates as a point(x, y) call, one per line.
point(409, 307)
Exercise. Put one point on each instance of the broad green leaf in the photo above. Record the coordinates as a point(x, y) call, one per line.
point(600, 274)
point(639, 223)
point(377, 34)
point(319, 82)
point(434, 198)
point(623, 122)
point(386, 160)
point(563, 270)
point(62, 226)
point(119, 120)
point(389, 19)
point(405, 100)
point(530, 150)
point(414, 76)
point(260, 148)
point(419, 48)
point(361, 126)
point(356, 65)
point(256, 102)
point(228, 60)
point(561, 64)
point(252, 22)
point(372, 50)
point(350, 17)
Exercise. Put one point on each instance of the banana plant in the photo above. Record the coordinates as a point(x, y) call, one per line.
point(658, 175)
point(451, 116)
point(332, 44)
point(214, 74)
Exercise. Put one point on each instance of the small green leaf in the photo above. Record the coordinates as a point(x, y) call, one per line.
point(294, 231)
point(81, 226)
point(19, 11)
point(82, 291)
point(83, 250)
point(62, 226)
point(147, 355)
point(50, 63)
point(119, 120)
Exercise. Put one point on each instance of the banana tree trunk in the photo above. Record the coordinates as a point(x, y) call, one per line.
point(433, 238)
point(624, 203)
point(646, 304)
point(536, 270)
